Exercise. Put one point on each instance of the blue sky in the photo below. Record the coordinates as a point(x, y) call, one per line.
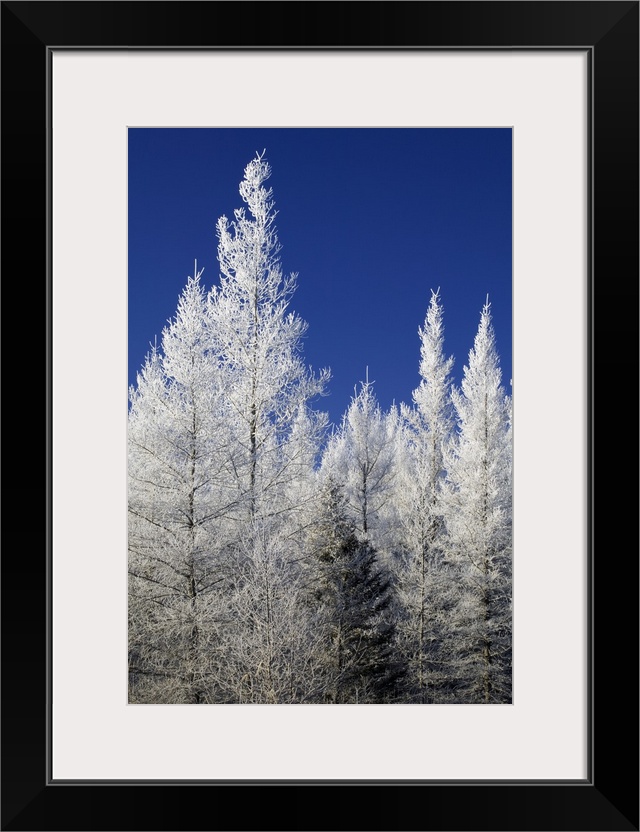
point(370, 219)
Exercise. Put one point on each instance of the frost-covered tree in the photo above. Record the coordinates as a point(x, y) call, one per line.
point(177, 449)
point(259, 344)
point(479, 525)
point(361, 456)
point(222, 446)
point(274, 439)
point(423, 577)
point(269, 652)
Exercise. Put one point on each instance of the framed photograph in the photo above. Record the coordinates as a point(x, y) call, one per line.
point(330, 497)
point(94, 94)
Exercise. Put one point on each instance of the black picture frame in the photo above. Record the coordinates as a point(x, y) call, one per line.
point(608, 798)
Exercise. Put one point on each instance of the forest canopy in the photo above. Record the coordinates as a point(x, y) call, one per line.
point(275, 559)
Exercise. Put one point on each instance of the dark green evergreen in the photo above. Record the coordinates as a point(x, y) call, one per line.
point(352, 593)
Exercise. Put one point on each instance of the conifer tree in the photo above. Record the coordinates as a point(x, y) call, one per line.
point(274, 436)
point(258, 344)
point(176, 496)
point(352, 594)
point(422, 576)
point(362, 456)
point(478, 516)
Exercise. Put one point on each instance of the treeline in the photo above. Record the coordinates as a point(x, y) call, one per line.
point(274, 561)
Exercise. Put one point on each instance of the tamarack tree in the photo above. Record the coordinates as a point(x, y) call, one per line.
point(479, 524)
point(362, 455)
point(423, 576)
point(176, 492)
point(258, 344)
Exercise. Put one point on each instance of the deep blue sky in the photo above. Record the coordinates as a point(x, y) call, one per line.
point(370, 219)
